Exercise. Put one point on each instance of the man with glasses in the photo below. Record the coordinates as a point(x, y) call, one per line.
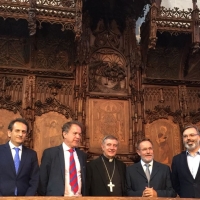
point(63, 168)
point(185, 166)
point(148, 178)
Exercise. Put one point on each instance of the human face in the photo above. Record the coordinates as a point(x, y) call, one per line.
point(109, 147)
point(18, 133)
point(145, 151)
point(72, 138)
point(191, 139)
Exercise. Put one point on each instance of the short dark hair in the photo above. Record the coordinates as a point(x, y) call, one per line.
point(191, 126)
point(21, 120)
point(112, 137)
point(67, 126)
point(143, 140)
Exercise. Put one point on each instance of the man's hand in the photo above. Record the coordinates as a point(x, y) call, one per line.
point(149, 192)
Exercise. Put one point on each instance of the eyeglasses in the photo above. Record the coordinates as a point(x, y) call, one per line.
point(190, 135)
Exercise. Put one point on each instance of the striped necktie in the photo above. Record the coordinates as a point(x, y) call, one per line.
point(73, 174)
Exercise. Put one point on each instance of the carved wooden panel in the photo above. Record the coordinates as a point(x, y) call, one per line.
point(167, 96)
point(166, 139)
point(5, 118)
point(108, 117)
point(47, 131)
point(193, 98)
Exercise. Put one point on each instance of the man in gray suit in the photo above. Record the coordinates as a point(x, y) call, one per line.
point(148, 178)
point(55, 169)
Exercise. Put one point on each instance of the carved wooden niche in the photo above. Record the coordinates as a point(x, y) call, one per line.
point(108, 117)
point(5, 117)
point(107, 72)
point(166, 139)
point(47, 131)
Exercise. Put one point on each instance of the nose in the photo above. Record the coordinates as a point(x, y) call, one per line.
point(20, 133)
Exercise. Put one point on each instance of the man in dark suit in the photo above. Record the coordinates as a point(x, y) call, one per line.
point(19, 170)
point(106, 174)
point(148, 178)
point(55, 169)
point(185, 166)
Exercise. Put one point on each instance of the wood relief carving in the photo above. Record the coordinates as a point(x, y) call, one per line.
point(161, 112)
point(161, 95)
point(12, 52)
point(11, 93)
point(108, 117)
point(5, 118)
point(163, 63)
point(47, 131)
point(107, 72)
point(60, 92)
point(166, 139)
point(55, 54)
point(67, 13)
point(192, 70)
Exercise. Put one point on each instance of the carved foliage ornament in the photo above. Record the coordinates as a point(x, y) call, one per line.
point(161, 112)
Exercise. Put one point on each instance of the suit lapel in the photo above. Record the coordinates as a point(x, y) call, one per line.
point(101, 170)
point(62, 162)
point(140, 169)
point(155, 169)
point(9, 157)
point(184, 159)
point(80, 158)
point(23, 159)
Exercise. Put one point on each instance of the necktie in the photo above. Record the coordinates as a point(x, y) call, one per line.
point(16, 162)
point(147, 172)
point(72, 173)
point(16, 159)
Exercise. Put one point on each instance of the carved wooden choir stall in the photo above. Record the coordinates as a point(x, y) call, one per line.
point(80, 59)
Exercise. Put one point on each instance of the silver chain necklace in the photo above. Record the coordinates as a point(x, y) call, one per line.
point(110, 185)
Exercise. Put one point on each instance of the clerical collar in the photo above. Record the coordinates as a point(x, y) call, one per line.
point(107, 159)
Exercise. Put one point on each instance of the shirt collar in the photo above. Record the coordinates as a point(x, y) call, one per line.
point(66, 148)
point(143, 163)
point(188, 153)
point(13, 146)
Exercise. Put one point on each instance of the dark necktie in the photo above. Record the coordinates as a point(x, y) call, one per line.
point(16, 162)
point(73, 174)
point(147, 172)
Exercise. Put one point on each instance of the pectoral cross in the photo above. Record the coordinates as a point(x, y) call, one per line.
point(110, 185)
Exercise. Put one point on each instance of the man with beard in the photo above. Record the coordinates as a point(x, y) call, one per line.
point(148, 178)
point(106, 174)
point(185, 166)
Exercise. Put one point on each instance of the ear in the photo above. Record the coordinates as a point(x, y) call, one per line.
point(64, 134)
point(102, 147)
point(138, 152)
point(9, 133)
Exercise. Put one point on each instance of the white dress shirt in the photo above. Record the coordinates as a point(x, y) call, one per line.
point(144, 167)
point(68, 191)
point(193, 162)
point(12, 146)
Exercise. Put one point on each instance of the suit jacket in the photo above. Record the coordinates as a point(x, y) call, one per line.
point(27, 177)
point(52, 171)
point(160, 180)
point(96, 182)
point(183, 182)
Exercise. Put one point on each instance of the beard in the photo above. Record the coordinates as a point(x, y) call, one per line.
point(192, 146)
